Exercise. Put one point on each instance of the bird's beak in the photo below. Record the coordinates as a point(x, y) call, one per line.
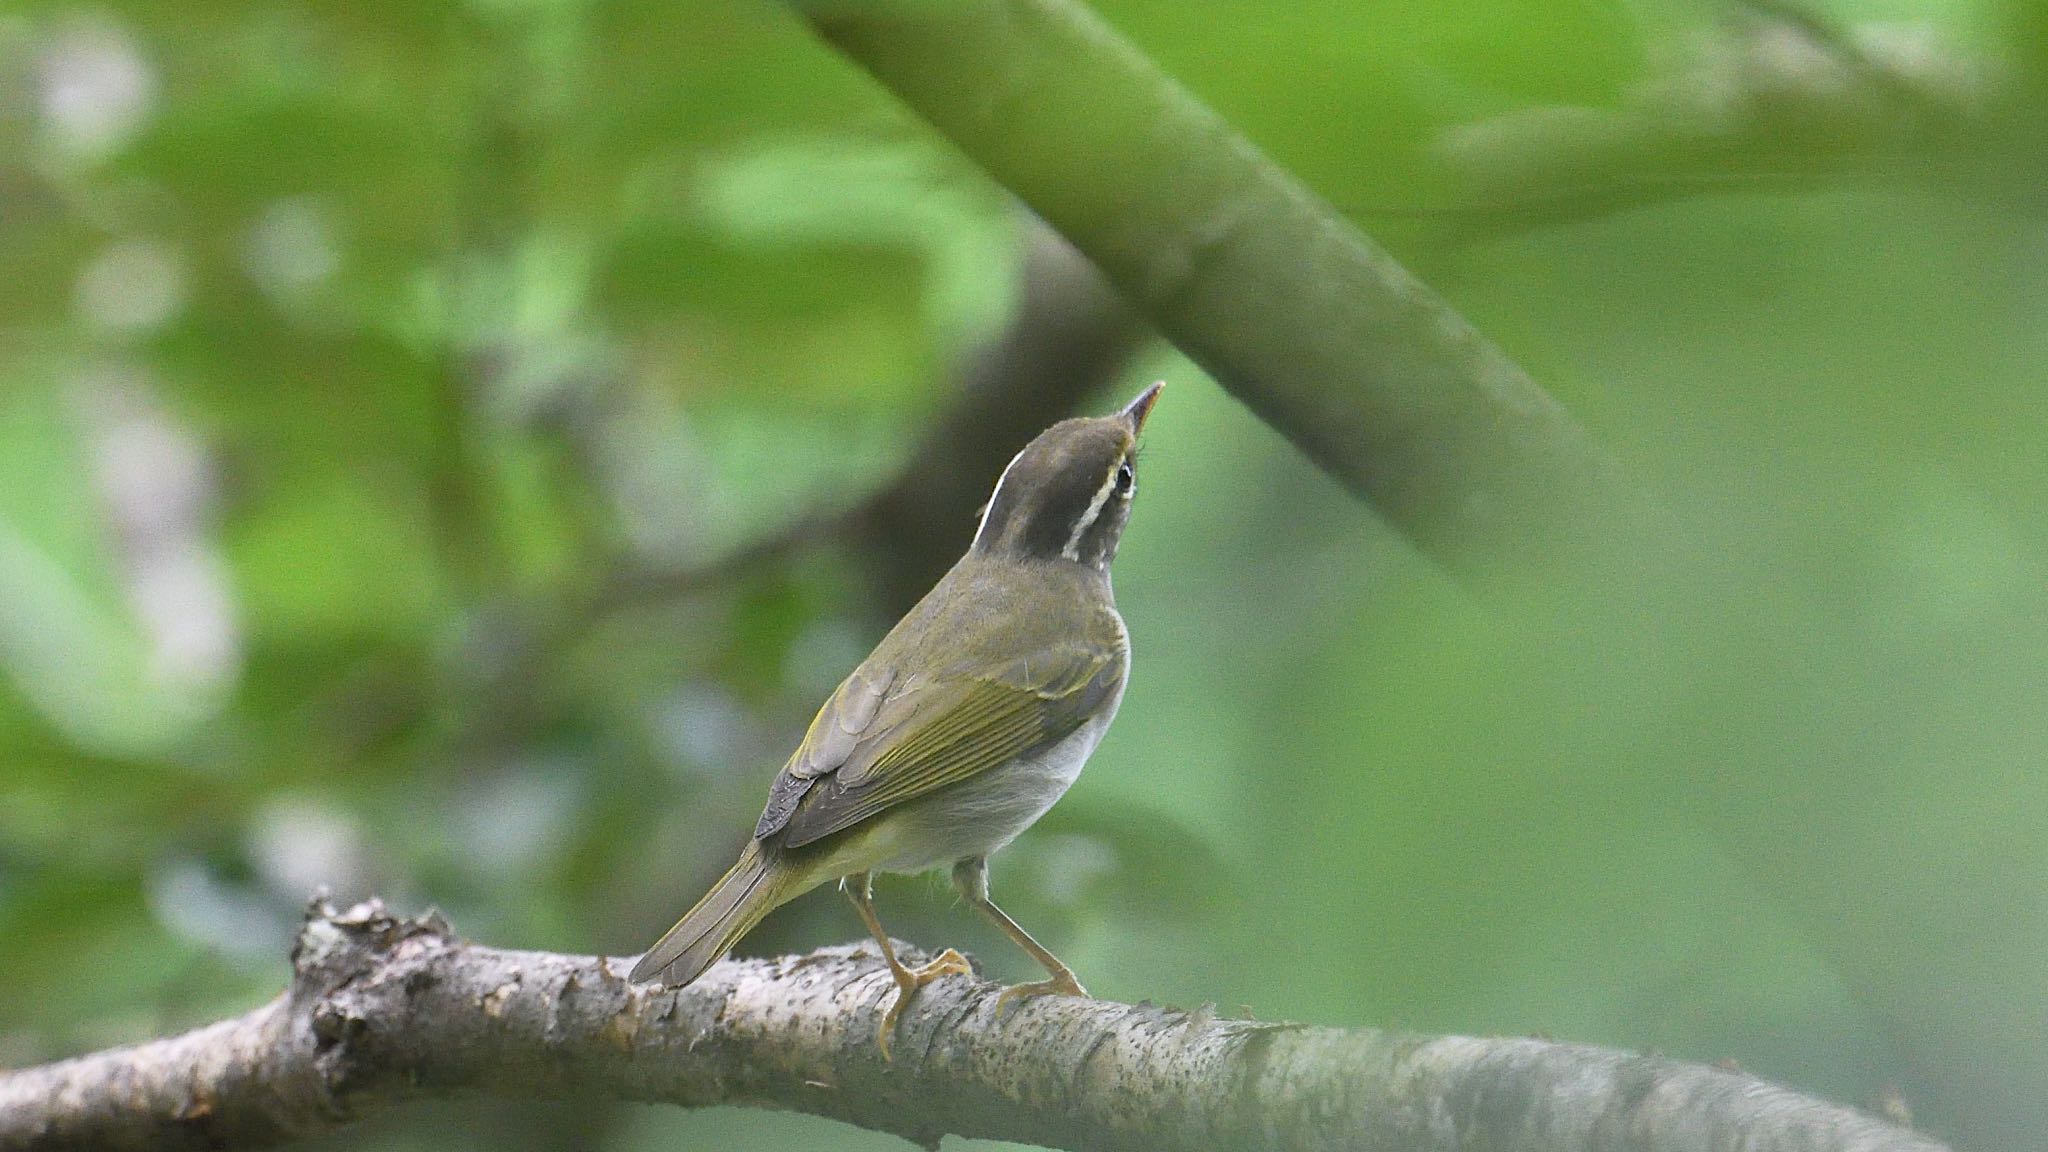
point(1135, 412)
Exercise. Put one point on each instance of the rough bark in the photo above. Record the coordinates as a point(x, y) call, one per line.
point(383, 1009)
point(1296, 312)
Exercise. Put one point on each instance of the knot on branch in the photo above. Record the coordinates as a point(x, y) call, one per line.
point(354, 971)
point(335, 943)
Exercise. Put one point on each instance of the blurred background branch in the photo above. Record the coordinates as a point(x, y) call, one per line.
point(1314, 326)
point(1069, 338)
point(1773, 98)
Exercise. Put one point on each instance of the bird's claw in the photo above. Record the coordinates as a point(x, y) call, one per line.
point(909, 980)
point(1063, 984)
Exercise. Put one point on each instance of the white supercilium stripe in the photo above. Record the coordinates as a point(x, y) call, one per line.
point(1073, 549)
point(993, 496)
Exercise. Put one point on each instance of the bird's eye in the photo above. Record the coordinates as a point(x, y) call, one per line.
point(1124, 477)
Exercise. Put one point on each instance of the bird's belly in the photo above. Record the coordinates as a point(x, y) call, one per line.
point(978, 816)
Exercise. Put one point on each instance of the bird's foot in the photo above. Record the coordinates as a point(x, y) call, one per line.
point(1062, 984)
point(909, 980)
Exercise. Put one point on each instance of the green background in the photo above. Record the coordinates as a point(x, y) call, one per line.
point(345, 348)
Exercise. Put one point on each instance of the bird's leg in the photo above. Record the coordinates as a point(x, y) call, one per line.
point(859, 889)
point(970, 877)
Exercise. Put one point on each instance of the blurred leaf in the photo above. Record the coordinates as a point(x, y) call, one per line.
point(67, 643)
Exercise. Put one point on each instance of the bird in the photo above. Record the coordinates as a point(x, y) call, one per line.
point(970, 718)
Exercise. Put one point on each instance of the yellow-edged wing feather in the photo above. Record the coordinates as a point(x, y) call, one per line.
point(878, 742)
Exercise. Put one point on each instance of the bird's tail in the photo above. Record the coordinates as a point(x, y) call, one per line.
point(749, 890)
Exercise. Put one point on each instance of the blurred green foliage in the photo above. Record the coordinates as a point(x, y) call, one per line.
point(350, 351)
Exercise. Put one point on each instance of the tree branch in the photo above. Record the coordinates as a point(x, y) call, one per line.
point(1783, 102)
point(1316, 328)
point(382, 1010)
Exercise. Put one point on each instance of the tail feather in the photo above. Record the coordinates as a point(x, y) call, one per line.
point(749, 890)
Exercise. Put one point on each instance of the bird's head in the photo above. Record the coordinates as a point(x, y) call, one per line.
point(1067, 495)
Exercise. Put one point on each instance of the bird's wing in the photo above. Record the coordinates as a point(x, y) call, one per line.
point(875, 744)
point(835, 734)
